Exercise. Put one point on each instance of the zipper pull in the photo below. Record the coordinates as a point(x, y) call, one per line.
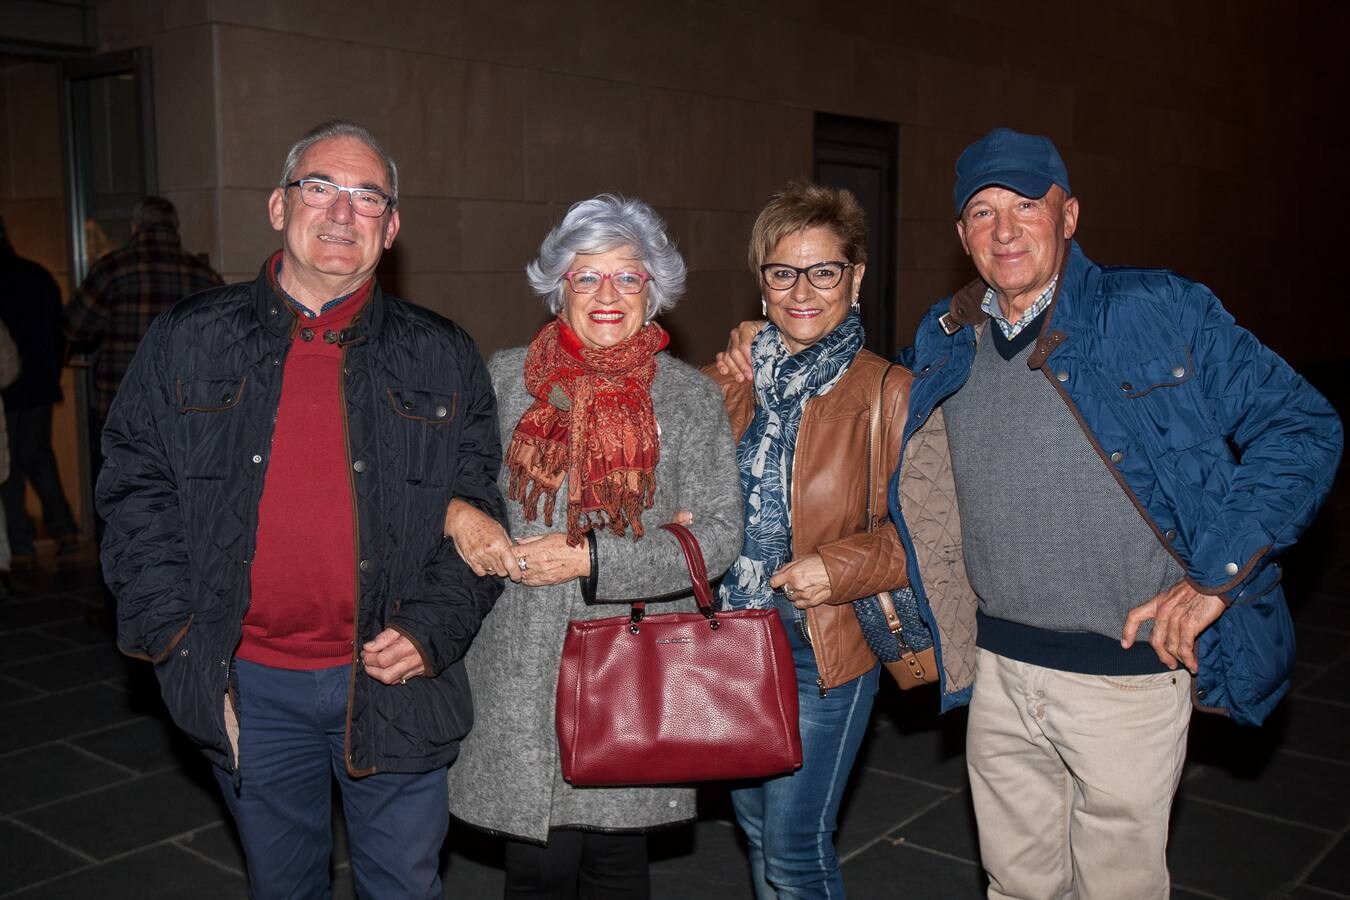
point(820, 683)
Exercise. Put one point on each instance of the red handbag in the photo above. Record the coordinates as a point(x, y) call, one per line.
point(677, 697)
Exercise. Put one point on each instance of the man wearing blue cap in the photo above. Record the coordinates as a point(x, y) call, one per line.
point(1098, 471)
point(1126, 462)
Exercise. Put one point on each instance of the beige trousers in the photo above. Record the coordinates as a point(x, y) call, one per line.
point(1073, 778)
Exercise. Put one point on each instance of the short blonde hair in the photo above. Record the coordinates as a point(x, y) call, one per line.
point(803, 205)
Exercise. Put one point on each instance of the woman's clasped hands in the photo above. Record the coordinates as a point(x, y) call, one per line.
point(485, 546)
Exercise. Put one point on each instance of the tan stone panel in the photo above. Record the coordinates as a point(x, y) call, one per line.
point(198, 221)
point(246, 237)
point(132, 23)
point(571, 150)
point(697, 149)
point(34, 150)
point(185, 109)
point(884, 83)
point(496, 309)
point(960, 94)
point(714, 303)
point(456, 128)
point(446, 235)
point(717, 239)
point(930, 244)
point(784, 153)
point(273, 87)
point(928, 171)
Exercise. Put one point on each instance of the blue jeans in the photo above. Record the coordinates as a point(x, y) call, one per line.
point(789, 821)
point(291, 729)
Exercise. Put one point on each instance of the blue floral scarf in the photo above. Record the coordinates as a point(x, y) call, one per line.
point(784, 382)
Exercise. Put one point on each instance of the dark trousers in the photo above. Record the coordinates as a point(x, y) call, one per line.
point(31, 461)
point(588, 865)
point(291, 727)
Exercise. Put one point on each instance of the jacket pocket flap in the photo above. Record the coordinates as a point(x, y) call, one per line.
point(209, 394)
point(1168, 370)
point(432, 407)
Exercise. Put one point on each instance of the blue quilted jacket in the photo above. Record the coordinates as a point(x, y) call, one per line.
point(187, 446)
point(1226, 451)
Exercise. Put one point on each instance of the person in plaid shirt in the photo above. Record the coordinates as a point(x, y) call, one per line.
point(123, 293)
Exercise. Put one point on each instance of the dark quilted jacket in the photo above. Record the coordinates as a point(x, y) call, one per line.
point(187, 445)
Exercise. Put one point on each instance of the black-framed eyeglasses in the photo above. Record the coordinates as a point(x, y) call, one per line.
point(321, 194)
point(588, 281)
point(822, 275)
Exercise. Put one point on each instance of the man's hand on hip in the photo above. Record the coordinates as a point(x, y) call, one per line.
point(1179, 614)
point(391, 658)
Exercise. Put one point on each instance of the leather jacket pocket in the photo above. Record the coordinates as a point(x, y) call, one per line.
point(212, 413)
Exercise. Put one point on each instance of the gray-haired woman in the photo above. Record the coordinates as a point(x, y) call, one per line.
point(603, 435)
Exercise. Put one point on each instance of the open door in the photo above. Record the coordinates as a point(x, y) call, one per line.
point(109, 139)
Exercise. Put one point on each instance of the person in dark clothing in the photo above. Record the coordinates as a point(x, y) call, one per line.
point(279, 459)
point(123, 292)
point(31, 310)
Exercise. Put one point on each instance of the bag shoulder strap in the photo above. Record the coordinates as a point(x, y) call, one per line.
point(873, 444)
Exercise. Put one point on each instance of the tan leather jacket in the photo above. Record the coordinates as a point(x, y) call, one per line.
point(830, 481)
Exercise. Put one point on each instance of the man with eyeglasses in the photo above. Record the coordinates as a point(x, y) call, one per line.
point(1115, 465)
point(279, 459)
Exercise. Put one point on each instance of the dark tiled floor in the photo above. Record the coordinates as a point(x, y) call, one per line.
point(99, 796)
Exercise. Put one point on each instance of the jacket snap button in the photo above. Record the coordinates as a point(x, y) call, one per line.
point(1231, 568)
point(307, 334)
point(1170, 534)
point(440, 412)
point(364, 565)
point(1062, 376)
point(1178, 372)
point(1126, 386)
point(257, 457)
point(1117, 456)
point(227, 398)
point(183, 652)
point(1200, 695)
point(407, 404)
point(359, 465)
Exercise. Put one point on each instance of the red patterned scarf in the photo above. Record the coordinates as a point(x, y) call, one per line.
point(591, 422)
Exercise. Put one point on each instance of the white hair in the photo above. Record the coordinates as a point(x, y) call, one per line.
point(602, 224)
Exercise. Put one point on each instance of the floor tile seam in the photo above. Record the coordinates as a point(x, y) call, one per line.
point(1199, 891)
point(1280, 820)
point(69, 848)
point(23, 685)
point(72, 736)
point(886, 834)
point(910, 778)
point(1324, 892)
point(10, 634)
point(1317, 861)
point(1304, 754)
point(903, 842)
point(103, 759)
point(80, 795)
point(34, 626)
point(202, 856)
point(59, 654)
point(1302, 696)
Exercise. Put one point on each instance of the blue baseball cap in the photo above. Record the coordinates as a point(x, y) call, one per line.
point(1026, 163)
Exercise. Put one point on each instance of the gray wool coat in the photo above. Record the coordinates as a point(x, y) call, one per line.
point(508, 778)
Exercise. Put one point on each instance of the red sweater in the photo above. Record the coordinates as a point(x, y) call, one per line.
point(301, 615)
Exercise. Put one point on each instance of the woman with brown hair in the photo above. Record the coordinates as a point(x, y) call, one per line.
point(803, 426)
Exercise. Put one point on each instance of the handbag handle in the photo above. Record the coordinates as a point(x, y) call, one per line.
point(698, 577)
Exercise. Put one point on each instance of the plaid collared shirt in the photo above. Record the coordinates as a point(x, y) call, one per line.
point(120, 296)
point(1012, 329)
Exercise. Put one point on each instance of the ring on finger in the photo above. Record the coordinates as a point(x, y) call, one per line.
point(520, 562)
point(787, 591)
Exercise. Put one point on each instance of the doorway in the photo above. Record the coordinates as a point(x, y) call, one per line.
point(863, 156)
